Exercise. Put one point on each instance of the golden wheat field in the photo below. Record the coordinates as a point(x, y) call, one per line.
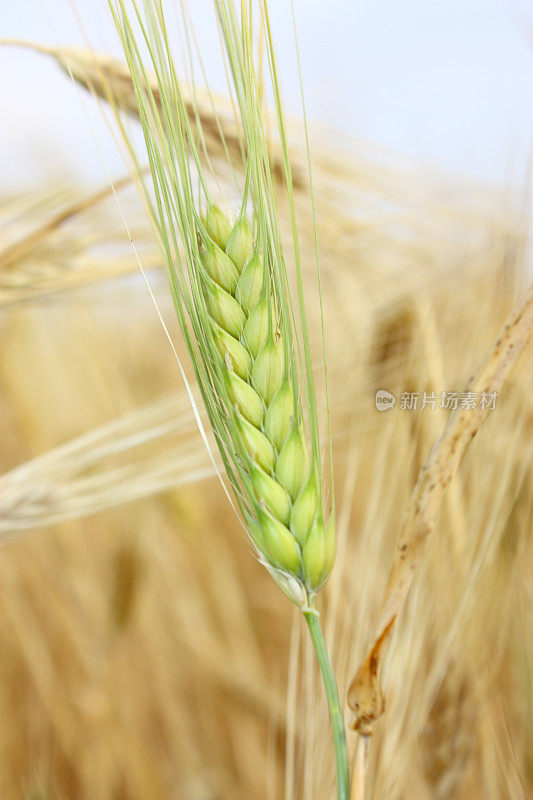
point(145, 652)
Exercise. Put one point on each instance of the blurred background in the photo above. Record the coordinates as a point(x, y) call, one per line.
point(450, 84)
point(144, 653)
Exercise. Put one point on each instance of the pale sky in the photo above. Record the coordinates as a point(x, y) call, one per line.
point(447, 82)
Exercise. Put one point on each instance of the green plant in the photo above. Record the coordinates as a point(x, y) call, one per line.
point(247, 340)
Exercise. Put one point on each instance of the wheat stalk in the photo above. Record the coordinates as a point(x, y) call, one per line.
point(248, 343)
point(52, 242)
point(234, 307)
point(365, 694)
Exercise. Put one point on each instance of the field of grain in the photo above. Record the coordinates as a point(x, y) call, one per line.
point(145, 654)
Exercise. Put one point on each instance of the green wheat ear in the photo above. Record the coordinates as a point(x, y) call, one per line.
point(285, 506)
point(231, 291)
point(247, 341)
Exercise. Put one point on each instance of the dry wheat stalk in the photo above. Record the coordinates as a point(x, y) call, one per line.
point(110, 79)
point(112, 464)
point(54, 243)
point(22, 247)
point(365, 695)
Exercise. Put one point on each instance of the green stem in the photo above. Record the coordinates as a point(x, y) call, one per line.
point(334, 705)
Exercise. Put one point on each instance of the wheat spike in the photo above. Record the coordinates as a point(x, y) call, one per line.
point(286, 524)
point(231, 292)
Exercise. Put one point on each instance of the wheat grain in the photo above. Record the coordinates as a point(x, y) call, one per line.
point(286, 523)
